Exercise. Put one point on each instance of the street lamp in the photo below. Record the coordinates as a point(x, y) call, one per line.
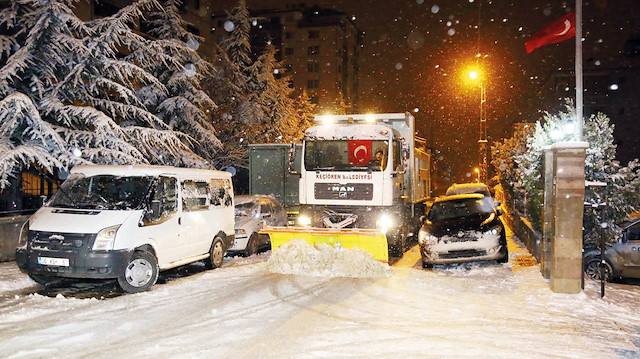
point(475, 75)
point(477, 171)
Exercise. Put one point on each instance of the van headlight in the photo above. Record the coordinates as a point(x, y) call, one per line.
point(105, 239)
point(24, 235)
point(384, 222)
point(304, 220)
point(241, 231)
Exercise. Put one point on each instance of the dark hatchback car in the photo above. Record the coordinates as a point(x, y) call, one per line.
point(463, 228)
point(621, 260)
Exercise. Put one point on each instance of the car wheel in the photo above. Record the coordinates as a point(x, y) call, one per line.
point(252, 245)
point(140, 274)
point(44, 280)
point(505, 257)
point(216, 254)
point(592, 269)
point(426, 265)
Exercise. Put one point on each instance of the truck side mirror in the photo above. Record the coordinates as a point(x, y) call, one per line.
point(292, 158)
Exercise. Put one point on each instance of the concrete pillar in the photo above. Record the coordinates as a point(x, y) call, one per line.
point(547, 214)
point(567, 205)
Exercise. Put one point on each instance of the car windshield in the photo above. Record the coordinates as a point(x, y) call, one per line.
point(246, 209)
point(103, 192)
point(460, 208)
point(346, 155)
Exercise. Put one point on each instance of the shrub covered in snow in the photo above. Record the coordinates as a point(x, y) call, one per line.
point(519, 162)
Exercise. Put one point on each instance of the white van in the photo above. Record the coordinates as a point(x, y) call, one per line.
point(129, 222)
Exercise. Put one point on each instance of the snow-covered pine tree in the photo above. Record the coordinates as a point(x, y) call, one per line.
point(301, 119)
point(73, 73)
point(173, 59)
point(273, 94)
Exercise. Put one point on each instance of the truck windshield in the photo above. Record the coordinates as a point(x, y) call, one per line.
point(346, 155)
point(102, 192)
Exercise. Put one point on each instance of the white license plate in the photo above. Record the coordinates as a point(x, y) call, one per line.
point(48, 261)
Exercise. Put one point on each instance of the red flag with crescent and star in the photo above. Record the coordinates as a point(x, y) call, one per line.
point(562, 29)
point(360, 152)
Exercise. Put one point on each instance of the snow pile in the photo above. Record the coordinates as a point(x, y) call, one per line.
point(323, 260)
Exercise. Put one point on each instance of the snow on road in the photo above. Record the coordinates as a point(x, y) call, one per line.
point(242, 310)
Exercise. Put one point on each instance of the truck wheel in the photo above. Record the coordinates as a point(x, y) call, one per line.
point(397, 249)
point(140, 274)
point(44, 280)
point(216, 254)
point(252, 245)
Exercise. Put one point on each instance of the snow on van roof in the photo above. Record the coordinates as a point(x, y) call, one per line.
point(351, 132)
point(146, 170)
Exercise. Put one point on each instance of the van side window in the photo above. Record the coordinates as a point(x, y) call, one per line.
point(164, 201)
point(195, 195)
point(221, 192)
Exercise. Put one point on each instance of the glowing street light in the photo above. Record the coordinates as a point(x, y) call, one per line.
point(476, 76)
point(477, 171)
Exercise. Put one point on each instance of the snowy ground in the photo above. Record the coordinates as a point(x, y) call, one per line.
point(242, 310)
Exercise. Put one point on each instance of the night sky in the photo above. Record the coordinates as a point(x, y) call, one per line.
point(416, 51)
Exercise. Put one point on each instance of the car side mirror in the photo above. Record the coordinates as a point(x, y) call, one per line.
point(499, 211)
point(497, 204)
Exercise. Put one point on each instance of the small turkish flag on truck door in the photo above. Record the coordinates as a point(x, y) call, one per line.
point(359, 152)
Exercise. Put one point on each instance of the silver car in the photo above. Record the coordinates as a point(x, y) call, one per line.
point(621, 260)
point(253, 212)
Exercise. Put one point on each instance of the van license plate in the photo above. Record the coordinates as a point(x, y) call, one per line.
point(48, 261)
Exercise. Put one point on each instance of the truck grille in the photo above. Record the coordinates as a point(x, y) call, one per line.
point(59, 242)
point(349, 191)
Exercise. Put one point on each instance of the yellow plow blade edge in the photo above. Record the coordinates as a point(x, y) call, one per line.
point(371, 240)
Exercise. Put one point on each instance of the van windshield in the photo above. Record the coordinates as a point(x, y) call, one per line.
point(103, 192)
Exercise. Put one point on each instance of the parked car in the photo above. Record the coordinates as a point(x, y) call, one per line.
point(621, 260)
point(463, 228)
point(128, 223)
point(253, 212)
point(467, 188)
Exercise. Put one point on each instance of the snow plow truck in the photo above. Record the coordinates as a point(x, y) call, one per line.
point(364, 179)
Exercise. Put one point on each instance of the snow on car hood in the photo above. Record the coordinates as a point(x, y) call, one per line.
point(323, 260)
point(455, 242)
point(76, 221)
point(452, 226)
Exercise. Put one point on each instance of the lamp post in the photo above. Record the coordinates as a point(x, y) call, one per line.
point(477, 171)
point(482, 142)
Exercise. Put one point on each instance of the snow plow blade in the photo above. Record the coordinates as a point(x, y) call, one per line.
point(371, 240)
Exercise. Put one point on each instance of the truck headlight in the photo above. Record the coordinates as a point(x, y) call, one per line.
point(105, 239)
point(304, 220)
point(384, 222)
point(24, 235)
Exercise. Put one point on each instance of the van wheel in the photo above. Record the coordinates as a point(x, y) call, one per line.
point(252, 245)
point(140, 274)
point(216, 254)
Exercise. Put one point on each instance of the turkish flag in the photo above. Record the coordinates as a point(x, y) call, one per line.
point(359, 151)
point(562, 29)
